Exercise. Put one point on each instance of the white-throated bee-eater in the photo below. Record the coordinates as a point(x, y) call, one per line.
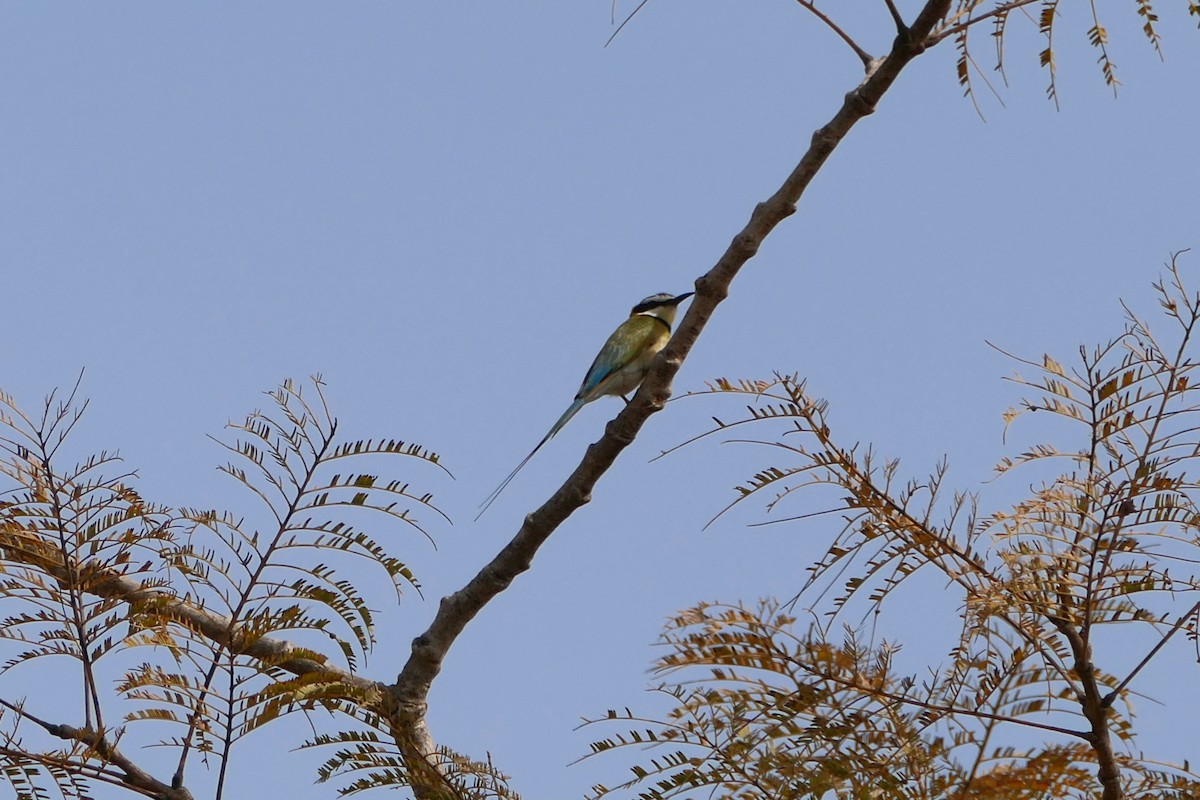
point(618, 368)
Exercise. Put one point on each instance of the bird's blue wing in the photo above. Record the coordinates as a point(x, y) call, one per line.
point(626, 342)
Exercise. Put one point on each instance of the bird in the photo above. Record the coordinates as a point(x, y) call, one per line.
point(619, 366)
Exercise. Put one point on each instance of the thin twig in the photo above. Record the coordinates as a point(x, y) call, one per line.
point(941, 709)
point(624, 22)
point(934, 38)
point(866, 58)
point(1112, 696)
point(901, 29)
point(133, 776)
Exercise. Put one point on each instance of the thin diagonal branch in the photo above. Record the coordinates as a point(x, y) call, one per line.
point(950, 30)
point(901, 29)
point(277, 652)
point(625, 22)
point(109, 583)
point(132, 776)
point(938, 708)
point(866, 58)
point(429, 650)
point(1111, 696)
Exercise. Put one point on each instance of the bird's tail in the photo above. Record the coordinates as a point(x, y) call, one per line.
point(563, 420)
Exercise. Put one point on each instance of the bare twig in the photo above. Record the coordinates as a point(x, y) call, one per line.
point(866, 58)
point(950, 30)
point(939, 708)
point(1112, 696)
point(901, 29)
point(625, 21)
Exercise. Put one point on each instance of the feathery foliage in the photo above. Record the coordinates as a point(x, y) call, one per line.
point(90, 570)
point(373, 757)
point(1046, 16)
point(1109, 535)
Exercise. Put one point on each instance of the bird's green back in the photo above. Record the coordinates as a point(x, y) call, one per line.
point(639, 337)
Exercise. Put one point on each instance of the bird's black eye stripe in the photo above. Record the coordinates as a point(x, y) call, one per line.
point(660, 301)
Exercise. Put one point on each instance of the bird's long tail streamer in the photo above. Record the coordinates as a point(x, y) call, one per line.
point(563, 420)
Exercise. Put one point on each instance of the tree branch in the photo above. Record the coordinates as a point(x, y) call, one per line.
point(1094, 710)
point(950, 30)
point(276, 652)
point(17, 544)
point(109, 583)
point(901, 29)
point(939, 708)
point(411, 690)
point(132, 776)
point(1111, 696)
point(866, 58)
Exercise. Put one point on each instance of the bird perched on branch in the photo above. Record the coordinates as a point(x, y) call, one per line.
point(618, 368)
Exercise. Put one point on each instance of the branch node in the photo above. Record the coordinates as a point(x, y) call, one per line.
point(860, 103)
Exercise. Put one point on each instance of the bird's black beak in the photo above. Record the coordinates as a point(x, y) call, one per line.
point(681, 298)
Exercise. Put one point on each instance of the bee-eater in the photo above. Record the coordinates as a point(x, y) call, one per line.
point(618, 368)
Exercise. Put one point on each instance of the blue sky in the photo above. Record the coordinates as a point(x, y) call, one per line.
point(445, 208)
